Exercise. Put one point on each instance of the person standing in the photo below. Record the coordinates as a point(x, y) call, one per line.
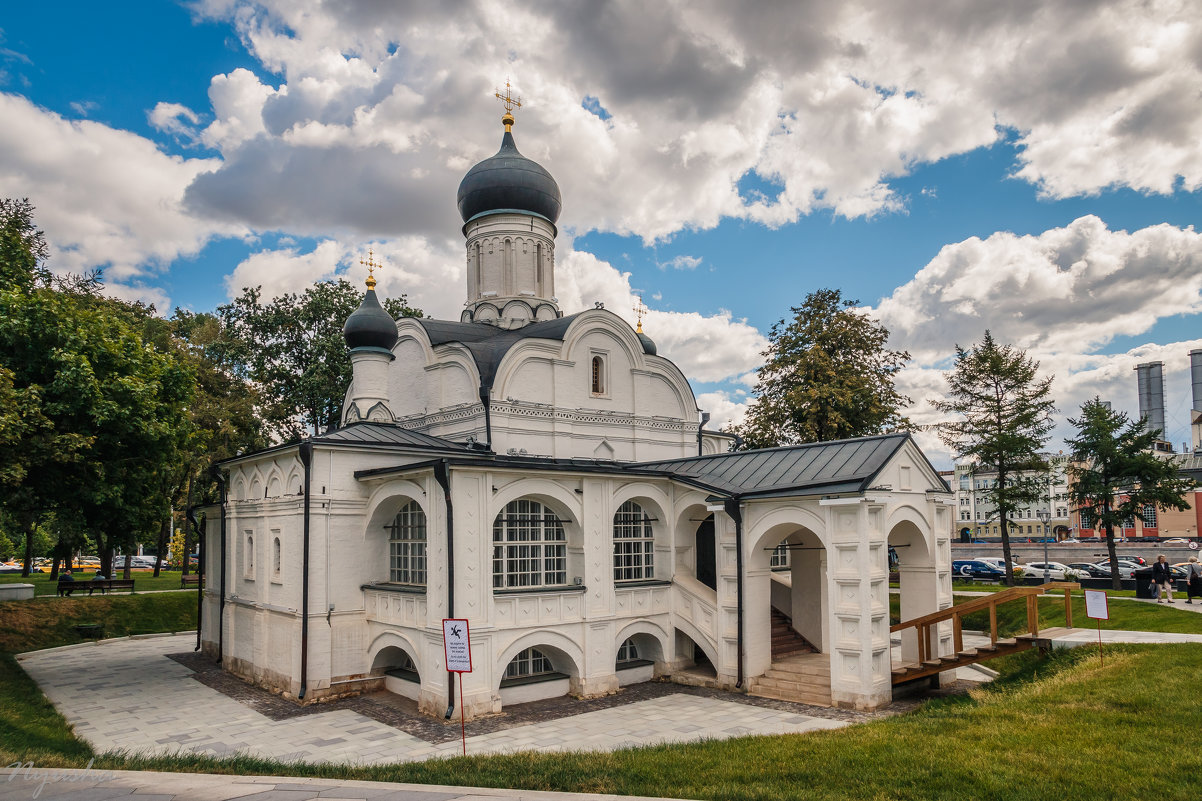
point(1193, 580)
point(1162, 577)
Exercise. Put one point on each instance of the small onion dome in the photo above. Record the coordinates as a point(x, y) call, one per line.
point(509, 180)
point(369, 326)
point(648, 343)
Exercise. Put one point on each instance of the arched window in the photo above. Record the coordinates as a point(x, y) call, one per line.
point(780, 556)
point(249, 556)
point(634, 544)
point(628, 652)
point(276, 557)
point(530, 662)
point(598, 375)
point(529, 547)
point(407, 546)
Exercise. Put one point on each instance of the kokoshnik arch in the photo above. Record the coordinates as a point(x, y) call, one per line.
point(548, 477)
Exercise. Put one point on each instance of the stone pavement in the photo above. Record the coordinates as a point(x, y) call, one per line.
point(128, 695)
point(95, 785)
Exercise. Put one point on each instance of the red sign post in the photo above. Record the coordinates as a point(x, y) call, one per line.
point(457, 648)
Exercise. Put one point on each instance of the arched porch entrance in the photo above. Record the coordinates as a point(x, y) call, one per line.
point(787, 610)
point(917, 592)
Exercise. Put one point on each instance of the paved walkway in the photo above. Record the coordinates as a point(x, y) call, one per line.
point(127, 694)
point(93, 785)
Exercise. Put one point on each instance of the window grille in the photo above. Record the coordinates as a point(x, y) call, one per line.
point(1149, 516)
point(529, 547)
point(407, 546)
point(780, 556)
point(634, 544)
point(530, 662)
point(1086, 519)
point(598, 375)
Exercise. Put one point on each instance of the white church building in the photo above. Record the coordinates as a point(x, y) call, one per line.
point(548, 477)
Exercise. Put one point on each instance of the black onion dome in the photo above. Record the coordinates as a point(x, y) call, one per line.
point(648, 343)
point(509, 180)
point(369, 326)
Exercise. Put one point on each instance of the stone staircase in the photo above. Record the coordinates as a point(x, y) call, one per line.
point(802, 677)
point(786, 641)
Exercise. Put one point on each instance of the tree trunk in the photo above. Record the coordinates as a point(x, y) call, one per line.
point(27, 567)
point(161, 546)
point(1006, 553)
point(1116, 581)
point(128, 565)
point(105, 554)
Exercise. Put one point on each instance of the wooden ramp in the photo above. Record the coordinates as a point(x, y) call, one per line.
point(931, 662)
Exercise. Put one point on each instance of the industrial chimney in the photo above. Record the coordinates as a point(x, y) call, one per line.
point(1150, 376)
point(1195, 372)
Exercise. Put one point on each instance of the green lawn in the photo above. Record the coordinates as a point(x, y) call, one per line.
point(1057, 727)
point(144, 581)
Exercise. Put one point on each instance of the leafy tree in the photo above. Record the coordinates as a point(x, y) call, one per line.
point(292, 348)
point(22, 246)
point(1115, 473)
point(1005, 413)
point(827, 375)
point(98, 412)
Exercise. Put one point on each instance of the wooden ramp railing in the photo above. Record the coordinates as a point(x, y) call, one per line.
point(927, 629)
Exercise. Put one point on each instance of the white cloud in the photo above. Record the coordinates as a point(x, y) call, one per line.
point(681, 262)
point(105, 197)
point(828, 104)
point(175, 119)
point(1066, 290)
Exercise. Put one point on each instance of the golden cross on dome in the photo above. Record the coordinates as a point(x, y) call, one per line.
point(640, 310)
point(371, 264)
point(510, 102)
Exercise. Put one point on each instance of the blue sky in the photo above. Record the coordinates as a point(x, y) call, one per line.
point(930, 166)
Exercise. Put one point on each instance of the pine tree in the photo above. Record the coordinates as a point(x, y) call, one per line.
point(827, 375)
point(1115, 473)
point(1005, 414)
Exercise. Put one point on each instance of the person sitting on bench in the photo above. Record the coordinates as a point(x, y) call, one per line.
point(65, 578)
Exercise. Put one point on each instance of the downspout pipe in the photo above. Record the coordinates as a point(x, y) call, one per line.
point(443, 476)
point(486, 400)
point(219, 477)
point(705, 418)
point(305, 452)
point(190, 516)
point(734, 508)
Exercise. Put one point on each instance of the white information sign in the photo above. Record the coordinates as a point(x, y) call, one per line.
point(1096, 605)
point(457, 645)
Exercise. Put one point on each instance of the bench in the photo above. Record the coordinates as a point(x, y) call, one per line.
point(193, 580)
point(104, 585)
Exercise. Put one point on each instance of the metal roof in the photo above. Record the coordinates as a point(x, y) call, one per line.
point(386, 434)
point(820, 468)
point(489, 344)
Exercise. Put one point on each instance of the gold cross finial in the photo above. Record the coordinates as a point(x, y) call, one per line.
point(640, 310)
point(371, 264)
point(511, 103)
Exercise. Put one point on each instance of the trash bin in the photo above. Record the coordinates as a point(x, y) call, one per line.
point(1143, 583)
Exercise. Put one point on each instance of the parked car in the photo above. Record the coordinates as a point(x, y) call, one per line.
point(1125, 569)
point(1094, 571)
point(1175, 541)
point(1056, 571)
point(977, 569)
point(997, 563)
point(1070, 541)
